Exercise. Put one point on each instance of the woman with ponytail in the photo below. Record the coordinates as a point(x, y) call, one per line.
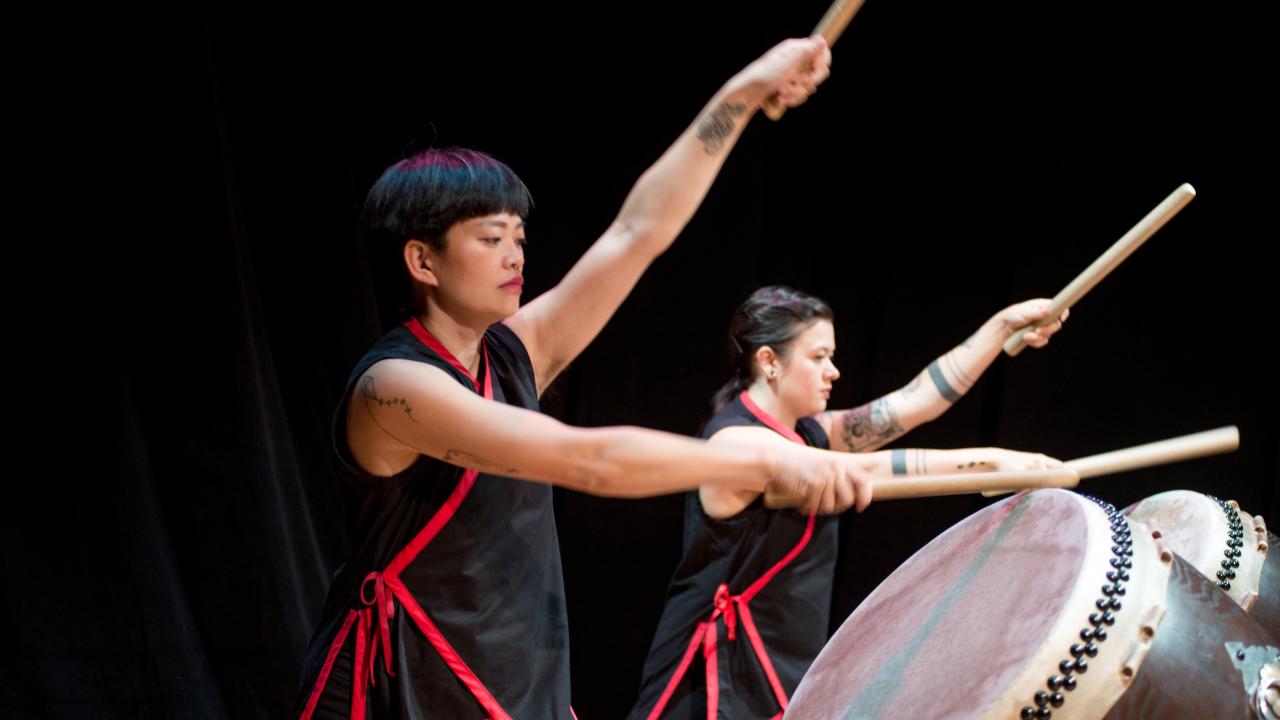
point(752, 594)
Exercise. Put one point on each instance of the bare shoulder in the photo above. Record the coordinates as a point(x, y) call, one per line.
point(388, 411)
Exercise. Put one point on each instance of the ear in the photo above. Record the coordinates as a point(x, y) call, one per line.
point(766, 359)
point(420, 260)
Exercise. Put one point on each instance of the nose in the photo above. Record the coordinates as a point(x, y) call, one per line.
point(833, 372)
point(516, 259)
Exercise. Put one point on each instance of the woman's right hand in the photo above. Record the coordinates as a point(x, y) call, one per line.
point(792, 70)
point(830, 483)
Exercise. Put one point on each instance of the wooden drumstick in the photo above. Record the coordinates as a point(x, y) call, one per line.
point(829, 27)
point(901, 488)
point(1101, 267)
point(1210, 442)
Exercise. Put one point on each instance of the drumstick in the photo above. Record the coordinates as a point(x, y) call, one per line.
point(901, 488)
point(829, 27)
point(1210, 442)
point(1101, 267)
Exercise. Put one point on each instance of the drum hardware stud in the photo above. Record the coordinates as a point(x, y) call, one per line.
point(1146, 632)
point(1156, 534)
point(1166, 556)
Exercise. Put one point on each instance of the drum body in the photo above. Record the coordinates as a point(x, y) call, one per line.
point(1043, 605)
point(1222, 541)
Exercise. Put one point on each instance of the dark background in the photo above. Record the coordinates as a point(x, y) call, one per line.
point(171, 515)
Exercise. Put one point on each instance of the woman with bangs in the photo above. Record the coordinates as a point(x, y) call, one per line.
point(452, 602)
point(749, 604)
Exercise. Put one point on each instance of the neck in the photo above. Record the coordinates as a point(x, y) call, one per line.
point(460, 338)
point(764, 396)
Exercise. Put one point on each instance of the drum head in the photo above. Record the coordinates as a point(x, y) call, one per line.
point(984, 593)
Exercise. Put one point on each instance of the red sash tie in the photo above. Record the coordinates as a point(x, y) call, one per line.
point(734, 608)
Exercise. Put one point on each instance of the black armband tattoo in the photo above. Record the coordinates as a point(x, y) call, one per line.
point(898, 461)
point(939, 381)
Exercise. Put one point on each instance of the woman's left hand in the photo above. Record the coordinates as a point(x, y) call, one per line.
point(1029, 313)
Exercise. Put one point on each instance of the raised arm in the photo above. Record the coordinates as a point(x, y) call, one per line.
point(559, 324)
point(401, 409)
point(936, 388)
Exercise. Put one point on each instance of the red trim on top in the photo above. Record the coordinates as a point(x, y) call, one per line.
point(422, 333)
point(767, 419)
point(732, 608)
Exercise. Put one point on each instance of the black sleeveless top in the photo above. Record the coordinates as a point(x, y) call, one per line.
point(490, 580)
point(791, 613)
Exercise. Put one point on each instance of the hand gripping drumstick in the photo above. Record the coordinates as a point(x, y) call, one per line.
point(1210, 442)
point(901, 488)
point(1101, 267)
point(829, 27)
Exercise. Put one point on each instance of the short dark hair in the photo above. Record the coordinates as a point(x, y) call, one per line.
point(772, 316)
point(424, 195)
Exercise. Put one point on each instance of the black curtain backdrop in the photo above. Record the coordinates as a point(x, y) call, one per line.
point(171, 515)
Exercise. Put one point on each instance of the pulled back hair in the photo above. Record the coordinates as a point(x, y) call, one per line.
point(772, 316)
point(420, 198)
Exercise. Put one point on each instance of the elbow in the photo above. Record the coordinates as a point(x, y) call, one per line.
point(643, 235)
point(589, 468)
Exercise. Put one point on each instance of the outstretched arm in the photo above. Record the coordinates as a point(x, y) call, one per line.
point(559, 324)
point(724, 500)
point(401, 409)
point(939, 386)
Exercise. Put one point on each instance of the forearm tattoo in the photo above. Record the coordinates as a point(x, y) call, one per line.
point(962, 378)
point(869, 426)
point(940, 381)
point(372, 399)
point(466, 459)
point(898, 461)
point(717, 125)
point(975, 464)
